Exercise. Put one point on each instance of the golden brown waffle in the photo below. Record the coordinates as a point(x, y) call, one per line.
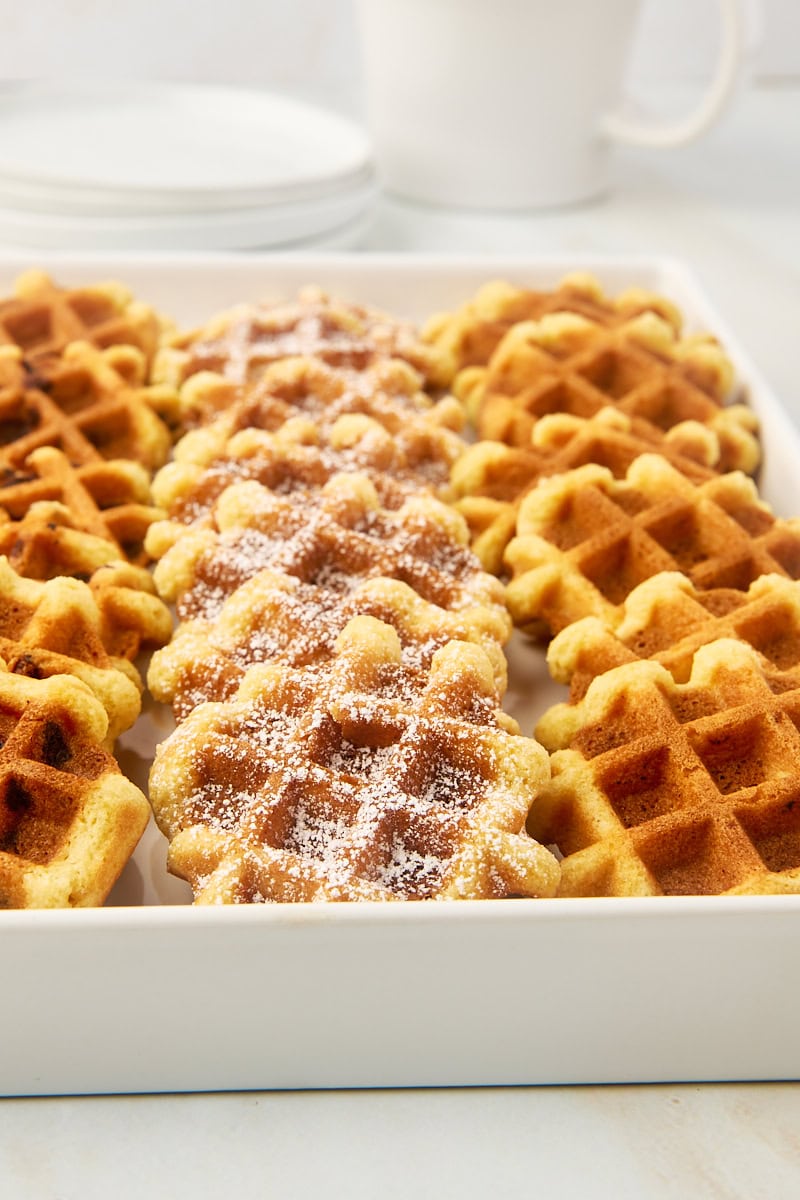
point(667, 620)
point(55, 628)
point(676, 788)
point(69, 820)
point(334, 540)
point(365, 779)
point(241, 343)
point(42, 318)
point(565, 363)
point(109, 500)
point(469, 336)
point(585, 540)
point(489, 481)
point(84, 407)
point(279, 619)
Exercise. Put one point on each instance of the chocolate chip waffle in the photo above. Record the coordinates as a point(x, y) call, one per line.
point(585, 540)
point(334, 539)
point(667, 620)
point(55, 628)
point(366, 779)
point(84, 409)
point(280, 619)
point(470, 335)
point(241, 343)
point(109, 500)
point(676, 788)
point(489, 481)
point(565, 363)
point(42, 318)
point(69, 820)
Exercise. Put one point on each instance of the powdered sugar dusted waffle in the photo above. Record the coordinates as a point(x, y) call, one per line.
point(242, 342)
point(335, 540)
point(279, 618)
point(365, 778)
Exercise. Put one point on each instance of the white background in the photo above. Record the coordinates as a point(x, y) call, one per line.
point(309, 47)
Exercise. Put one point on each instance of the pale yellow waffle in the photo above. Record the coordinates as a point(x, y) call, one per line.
point(334, 539)
point(676, 788)
point(363, 779)
point(279, 619)
point(667, 620)
point(69, 820)
point(585, 540)
point(566, 363)
point(489, 481)
point(82, 406)
point(42, 318)
point(242, 342)
point(469, 336)
point(55, 628)
point(109, 500)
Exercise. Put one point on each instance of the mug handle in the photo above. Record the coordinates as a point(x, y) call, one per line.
point(712, 103)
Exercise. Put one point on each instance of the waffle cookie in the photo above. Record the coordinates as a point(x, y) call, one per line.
point(585, 540)
point(490, 479)
point(565, 363)
point(83, 407)
point(282, 620)
point(672, 788)
point(42, 318)
point(470, 335)
point(242, 342)
point(366, 779)
point(69, 820)
point(667, 620)
point(335, 539)
point(55, 628)
point(109, 500)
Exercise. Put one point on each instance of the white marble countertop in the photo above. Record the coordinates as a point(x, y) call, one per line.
point(730, 206)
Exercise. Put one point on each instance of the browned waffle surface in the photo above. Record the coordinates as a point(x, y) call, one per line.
point(676, 788)
point(82, 406)
point(241, 343)
point(469, 335)
point(69, 820)
point(42, 318)
point(110, 501)
point(585, 540)
point(667, 620)
point(490, 479)
point(565, 363)
point(367, 778)
point(56, 628)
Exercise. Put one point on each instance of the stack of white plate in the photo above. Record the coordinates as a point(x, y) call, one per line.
point(133, 166)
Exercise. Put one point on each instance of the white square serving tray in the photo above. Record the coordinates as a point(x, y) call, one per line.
point(150, 994)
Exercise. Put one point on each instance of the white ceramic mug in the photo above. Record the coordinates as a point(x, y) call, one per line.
point(511, 104)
